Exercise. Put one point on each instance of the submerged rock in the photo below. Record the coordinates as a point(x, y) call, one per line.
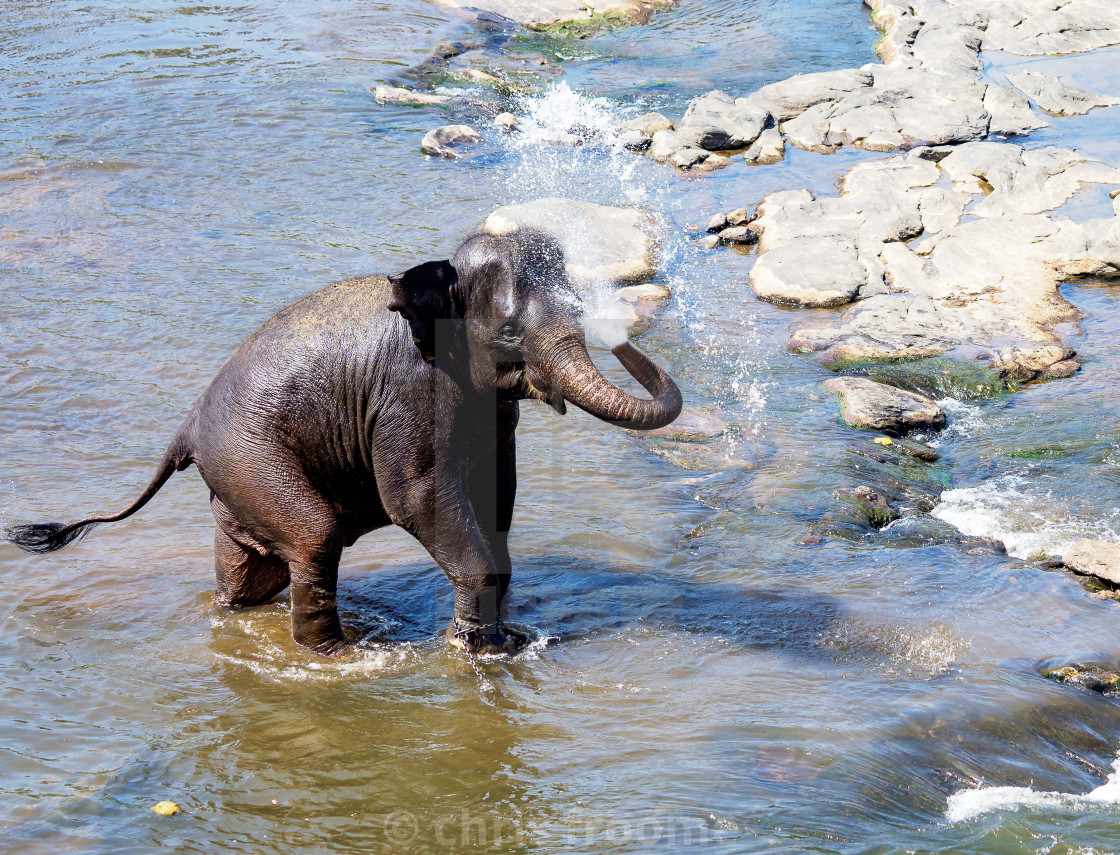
point(447, 140)
point(397, 95)
point(602, 243)
point(870, 405)
point(1096, 678)
point(870, 503)
point(1094, 558)
point(1053, 96)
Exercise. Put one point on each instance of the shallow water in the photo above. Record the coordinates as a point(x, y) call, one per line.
point(700, 678)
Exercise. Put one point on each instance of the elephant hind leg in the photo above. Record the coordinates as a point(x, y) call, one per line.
point(245, 577)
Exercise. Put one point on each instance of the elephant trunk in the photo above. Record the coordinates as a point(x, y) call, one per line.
point(580, 382)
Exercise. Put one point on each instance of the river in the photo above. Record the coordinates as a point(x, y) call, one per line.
point(705, 675)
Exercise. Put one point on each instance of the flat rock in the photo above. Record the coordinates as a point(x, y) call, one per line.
point(602, 243)
point(793, 96)
point(875, 406)
point(447, 140)
point(1053, 96)
point(397, 95)
point(1094, 558)
point(543, 14)
point(811, 272)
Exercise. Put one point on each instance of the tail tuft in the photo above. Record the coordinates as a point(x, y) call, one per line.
point(39, 538)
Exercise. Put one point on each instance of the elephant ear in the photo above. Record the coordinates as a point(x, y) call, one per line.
point(422, 296)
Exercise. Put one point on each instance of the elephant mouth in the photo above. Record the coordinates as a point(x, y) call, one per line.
point(540, 389)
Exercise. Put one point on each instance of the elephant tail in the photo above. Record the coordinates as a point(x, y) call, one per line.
point(40, 538)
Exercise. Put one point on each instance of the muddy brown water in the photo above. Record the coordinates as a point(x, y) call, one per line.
point(172, 175)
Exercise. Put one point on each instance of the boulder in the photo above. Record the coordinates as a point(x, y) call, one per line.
point(1094, 558)
point(397, 95)
point(1053, 96)
point(811, 272)
point(715, 121)
point(647, 124)
point(874, 406)
point(506, 121)
point(768, 148)
point(664, 145)
point(602, 243)
point(447, 140)
point(1096, 678)
point(688, 157)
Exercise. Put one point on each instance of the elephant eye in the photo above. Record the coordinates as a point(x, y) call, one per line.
point(508, 330)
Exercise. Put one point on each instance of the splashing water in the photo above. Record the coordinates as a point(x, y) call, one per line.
point(1032, 523)
point(966, 804)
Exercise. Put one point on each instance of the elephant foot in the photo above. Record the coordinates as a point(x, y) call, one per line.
point(336, 648)
point(480, 641)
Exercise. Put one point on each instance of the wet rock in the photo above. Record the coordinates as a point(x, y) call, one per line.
point(506, 121)
point(397, 95)
point(555, 14)
point(715, 121)
point(602, 243)
point(634, 141)
point(1053, 96)
point(717, 223)
point(712, 162)
point(688, 157)
point(870, 405)
point(447, 140)
point(664, 145)
point(738, 234)
point(1094, 677)
point(1094, 558)
point(871, 503)
point(636, 305)
point(768, 148)
point(793, 96)
point(647, 124)
point(709, 241)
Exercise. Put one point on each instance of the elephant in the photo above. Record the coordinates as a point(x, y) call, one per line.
point(383, 401)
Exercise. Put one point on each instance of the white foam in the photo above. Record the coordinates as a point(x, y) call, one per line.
point(1031, 522)
point(966, 804)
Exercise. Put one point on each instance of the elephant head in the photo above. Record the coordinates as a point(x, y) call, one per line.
point(516, 329)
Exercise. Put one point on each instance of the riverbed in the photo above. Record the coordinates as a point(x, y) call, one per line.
point(708, 672)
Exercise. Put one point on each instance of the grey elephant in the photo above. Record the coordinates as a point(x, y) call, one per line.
point(389, 400)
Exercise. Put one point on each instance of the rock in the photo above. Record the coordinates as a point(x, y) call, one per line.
point(873, 504)
point(793, 96)
point(946, 294)
point(647, 124)
point(738, 217)
point(870, 405)
point(712, 162)
point(445, 141)
point(1094, 558)
point(715, 121)
point(768, 148)
point(688, 157)
point(1053, 96)
point(556, 14)
point(506, 121)
point(602, 243)
point(1095, 678)
point(664, 145)
point(812, 272)
point(638, 304)
point(1010, 111)
point(717, 223)
point(634, 141)
point(738, 234)
point(397, 95)
point(709, 241)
